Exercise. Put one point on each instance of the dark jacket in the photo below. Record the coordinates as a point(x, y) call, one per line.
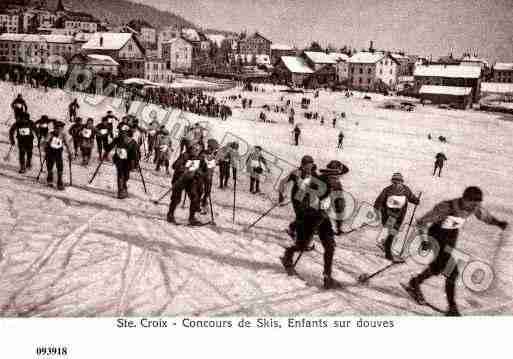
point(388, 202)
point(126, 151)
point(25, 131)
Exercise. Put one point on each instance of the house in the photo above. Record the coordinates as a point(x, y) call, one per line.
point(292, 70)
point(470, 60)
point(341, 65)
point(156, 70)
point(78, 22)
point(372, 70)
point(279, 50)
point(503, 72)
point(147, 33)
point(446, 79)
point(177, 53)
point(125, 48)
point(317, 59)
point(255, 48)
point(26, 49)
point(406, 64)
point(98, 64)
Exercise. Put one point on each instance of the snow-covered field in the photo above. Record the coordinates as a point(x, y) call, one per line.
point(82, 252)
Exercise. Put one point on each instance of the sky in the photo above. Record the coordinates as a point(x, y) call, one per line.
point(427, 27)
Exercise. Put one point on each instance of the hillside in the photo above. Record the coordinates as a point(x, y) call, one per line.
point(119, 12)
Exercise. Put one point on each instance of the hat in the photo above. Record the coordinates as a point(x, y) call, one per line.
point(234, 145)
point(473, 194)
point(334, 168)
point(397, 177)
point(306, 160)
point(212, 143)
point(258, 148)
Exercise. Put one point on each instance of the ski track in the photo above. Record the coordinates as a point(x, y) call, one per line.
point(121, 258)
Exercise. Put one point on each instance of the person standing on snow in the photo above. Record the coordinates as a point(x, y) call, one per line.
point(256, 165)
point(392, 204)
point(440, 228)
point(25, 131)
point(439, 163)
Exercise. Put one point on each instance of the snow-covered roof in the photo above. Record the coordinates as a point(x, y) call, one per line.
point(65, 39)
point(83, 36)
point(318, 57)
point(497, 87)
point(502, 66)
point(364, 57)
point(216, 38)
point(296, 65)
point(281, 47)
point(191, 34)
point(101, 60)
point(474, 59)
point(452, 71)
point(111, 41)
point(445, 90)
point(338, 56)
point(399, 56)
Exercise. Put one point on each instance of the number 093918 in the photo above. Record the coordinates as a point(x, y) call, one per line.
point(51, 350)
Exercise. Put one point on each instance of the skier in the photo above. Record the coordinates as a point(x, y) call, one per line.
point(152, 133)
point(42, 128)
point(72, 109)
point(256, 164)
point(55, 143)
point(19, 106)
point(87, 135)
point(340, 140)
point(163, 150)
point(439, 163)
point(227, 157)
point(103, 131)
point(189, 170)
point(297, 133)
point(445, 220)
point(110, 121)
point(297, 177)
point(209, 155)
point(74, 131)
point(126, 159)
point(392, 204)
point(124, 124)
point(313, 217)
point(25, 132)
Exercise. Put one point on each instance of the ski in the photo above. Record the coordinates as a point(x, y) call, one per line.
point(422, 303)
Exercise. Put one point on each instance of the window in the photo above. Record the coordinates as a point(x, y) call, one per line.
point(369, 71)
point(391, 71)
point(381, 71)
point(361, 70)
point(368, 81)
point(360, 80)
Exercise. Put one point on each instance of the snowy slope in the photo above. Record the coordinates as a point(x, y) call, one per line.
point(82, 252)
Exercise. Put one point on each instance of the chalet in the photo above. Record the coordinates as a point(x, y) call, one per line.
point(292, 70)
point(372, 70)
point(125, 48)
point(449, 83)
point(147, 33)
point(503, 72)
point(255, 47)
point(341, 65)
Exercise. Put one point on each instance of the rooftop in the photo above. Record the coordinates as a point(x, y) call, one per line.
point(318, 57)
point(364, 57)
point(445, 90)
point(296, 65)
point(281, 47)
point(503, 66)
point(451, 71)
point(338, 56)
point(111, 41)
point(497, 87)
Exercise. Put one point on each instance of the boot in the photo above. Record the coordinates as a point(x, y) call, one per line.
point(453, 311)
point(287, 261)
point(330, 283)
point(171, 218)
point(60, 186)
point(193, 222)
point(22, 170)
point(415, 290)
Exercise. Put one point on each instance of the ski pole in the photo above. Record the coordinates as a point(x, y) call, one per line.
point(409, 226)
point(142, 179)
point(263, 215)
point(70, 172)
point(184, 200)
point(211, 210)
point(309, 249)
point(234, 195)
point(8, 155)
point(40, 170)
point(364, 277)
point(96, 171)
point(163, 196)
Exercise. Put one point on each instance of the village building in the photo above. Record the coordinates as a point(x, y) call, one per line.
point(98, 64)
point(373, 71)
point(10, 21)
point(254, 49)
point(503, 72)
point(449, 84)
point(122, 47)
point(177, 54)
point(156, 70)
point(292, 71)
point(341, 66)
